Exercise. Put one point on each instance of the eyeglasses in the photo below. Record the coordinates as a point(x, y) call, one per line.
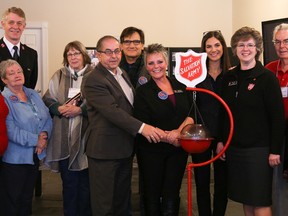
point(278, 42)
point(128, 42)
point(109, 52)
point(206, 32)
point(76, 54)
point(249, 46)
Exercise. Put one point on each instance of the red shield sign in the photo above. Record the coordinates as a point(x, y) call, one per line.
point(190, 68)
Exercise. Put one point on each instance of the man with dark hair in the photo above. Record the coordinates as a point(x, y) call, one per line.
point(13, 23)
point(132, 44)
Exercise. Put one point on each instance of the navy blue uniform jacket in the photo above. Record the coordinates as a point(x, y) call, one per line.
point(28, 60)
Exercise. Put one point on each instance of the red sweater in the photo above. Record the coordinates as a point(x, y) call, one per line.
point(282, 76)
point(3, 130)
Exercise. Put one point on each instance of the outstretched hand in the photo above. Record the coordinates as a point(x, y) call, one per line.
point(153, 134)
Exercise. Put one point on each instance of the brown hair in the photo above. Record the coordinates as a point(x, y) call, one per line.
point(246, 33)
point(78, 46)
point(101, 40)
point(225, 61)
point(131, 30)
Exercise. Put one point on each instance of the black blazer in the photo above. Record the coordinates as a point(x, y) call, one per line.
point(28, 60)
point(153, 107)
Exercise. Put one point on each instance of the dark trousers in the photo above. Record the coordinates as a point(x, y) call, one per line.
point(17, 190)
point(285, 159)
point(162, 174)
point(76, 191)
point(202, 180)
point(110, 186)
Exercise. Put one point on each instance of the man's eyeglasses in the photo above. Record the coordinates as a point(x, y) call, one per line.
point(249, 46)
point(278, 42)
point(215, 31)
point(76, 54)
point(128, 42)
point(109, 52)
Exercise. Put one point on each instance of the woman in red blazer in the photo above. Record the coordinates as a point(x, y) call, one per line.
point(3, 131)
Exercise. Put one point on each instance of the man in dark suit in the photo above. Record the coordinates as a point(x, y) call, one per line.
point(132, 42)
point(13, 23)
point(110, 95)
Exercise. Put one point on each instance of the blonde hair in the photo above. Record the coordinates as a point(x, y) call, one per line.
point(14, 10)
point(156, 48)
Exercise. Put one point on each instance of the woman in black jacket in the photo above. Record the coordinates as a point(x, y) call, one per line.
point(163, 103)
point(213, 43)
point(254, 97)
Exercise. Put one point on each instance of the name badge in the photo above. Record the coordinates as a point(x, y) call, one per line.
point(73, 91)
point(284, 91)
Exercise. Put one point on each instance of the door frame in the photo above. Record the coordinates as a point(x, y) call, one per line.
point(42, 53)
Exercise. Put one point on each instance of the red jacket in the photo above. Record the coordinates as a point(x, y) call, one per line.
point(3, 130)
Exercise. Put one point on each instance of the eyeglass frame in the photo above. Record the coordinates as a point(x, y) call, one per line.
point(278, 42)
point(109, 52)
point(249, 45)
point(76, 54)
point(128, 42)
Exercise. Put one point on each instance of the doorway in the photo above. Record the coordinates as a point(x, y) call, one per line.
point(35, 36)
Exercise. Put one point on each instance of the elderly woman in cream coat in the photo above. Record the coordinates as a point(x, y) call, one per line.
point(65, 153)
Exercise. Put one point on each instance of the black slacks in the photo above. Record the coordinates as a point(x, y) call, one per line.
point(202, 181)
point(17, 190)
point(162, 174)
point(110, 185)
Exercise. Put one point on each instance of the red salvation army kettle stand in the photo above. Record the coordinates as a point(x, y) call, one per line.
point(190, 70)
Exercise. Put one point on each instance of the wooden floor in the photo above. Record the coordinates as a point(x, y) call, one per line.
point(50, 202)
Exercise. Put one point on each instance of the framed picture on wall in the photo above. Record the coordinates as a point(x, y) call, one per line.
point(92, 53)
point(269, 53)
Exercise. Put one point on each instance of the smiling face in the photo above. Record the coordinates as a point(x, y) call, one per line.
point(281, 48)
point(132, 46)
point(75, 59)
point(156, 65)
point(13, 26)
point(14, 77)
point(110, 54)
point(246, 51)
point(214, 49)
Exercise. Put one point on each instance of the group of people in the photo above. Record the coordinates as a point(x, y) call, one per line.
point(26, 123)
point(102, 116)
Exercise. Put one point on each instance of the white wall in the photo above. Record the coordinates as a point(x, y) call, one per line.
point(253, 12)
point(174, 23)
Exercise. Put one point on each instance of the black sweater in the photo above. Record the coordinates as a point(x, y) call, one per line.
point(257, 107)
